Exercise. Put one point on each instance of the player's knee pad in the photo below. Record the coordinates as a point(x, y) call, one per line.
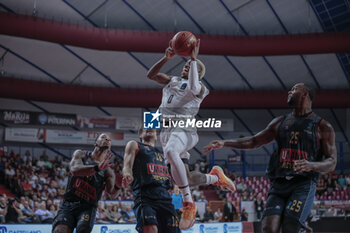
point(290, 225)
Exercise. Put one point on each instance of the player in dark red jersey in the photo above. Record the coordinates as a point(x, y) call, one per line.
point(90, 174)
point(306, 146)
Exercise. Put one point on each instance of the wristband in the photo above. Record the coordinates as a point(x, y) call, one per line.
point(96, 168)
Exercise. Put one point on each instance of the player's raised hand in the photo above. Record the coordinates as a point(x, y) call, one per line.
point(302, 166)
point(195, 50)
point(106, 162)
point(127, 179)
point(169, 52)
point(217, 144)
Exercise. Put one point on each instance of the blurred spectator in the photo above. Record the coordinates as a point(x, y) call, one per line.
point(330, 212)
point(245, 196)
point(113, 215)
point(203, 167)
point(241, 187)
point(131, 214)
point(341, 181)
point(229, 211)
point(203, 198)
point(347, 180)
point(196, 193)
point(100, 214)
point(218, 215)
point(321, 187)
point(208, 215)
point(45, 215)
point(177, 201)
point(52, 209)
point(27, 212)
point(3, 209)
point(244, 215)
point(13, 211)
point(259, 206)
point(197, 166)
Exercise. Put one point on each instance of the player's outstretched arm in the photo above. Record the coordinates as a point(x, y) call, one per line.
point(131, 151)
point(111, 187)
point(263, 137)
point(328, 149)
point(77, 167)
point(193, 77)
point(153, 72)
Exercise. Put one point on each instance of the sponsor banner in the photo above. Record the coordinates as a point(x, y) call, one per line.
point(128, 123)
point(55, 119)
point(15, 117)
point(234, 158)
point(235, 227)
point(83, 137)
point(64, 136)
point(96, 122)
point(25, 135)
point(37, 118)
point(229, 227)
point(25, 228)
point(119, 123)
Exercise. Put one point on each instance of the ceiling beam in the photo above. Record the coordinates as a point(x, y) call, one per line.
point(132, 97)
point(155, 42)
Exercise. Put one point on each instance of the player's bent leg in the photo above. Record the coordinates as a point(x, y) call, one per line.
point(223, 181)
point(86, 221)
point(178, 171)
point(62, 229)
point(290, 225)
point(150, 229)
point(271, 224)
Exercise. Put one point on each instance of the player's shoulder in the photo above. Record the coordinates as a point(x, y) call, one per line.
point(79, 154)
point(133, 145)
point(324, 125)
point(277, 120)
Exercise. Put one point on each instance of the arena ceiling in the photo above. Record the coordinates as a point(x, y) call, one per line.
point(40, 60)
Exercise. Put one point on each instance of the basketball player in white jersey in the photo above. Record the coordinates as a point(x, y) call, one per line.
point(183, 96)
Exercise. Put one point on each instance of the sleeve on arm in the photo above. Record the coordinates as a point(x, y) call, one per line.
point(193, 79)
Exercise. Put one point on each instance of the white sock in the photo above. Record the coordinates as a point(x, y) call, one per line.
point(186, 194)
point(211, 179)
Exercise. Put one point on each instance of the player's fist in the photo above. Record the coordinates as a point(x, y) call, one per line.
point(106, 162)
point(127, 180)
point(217, 144)
point(169, 53)
point(195, 50)
point(302, 166)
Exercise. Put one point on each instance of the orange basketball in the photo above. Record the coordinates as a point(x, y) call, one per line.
point(183, 43)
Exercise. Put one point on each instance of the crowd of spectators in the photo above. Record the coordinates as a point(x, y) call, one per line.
point(38, 185)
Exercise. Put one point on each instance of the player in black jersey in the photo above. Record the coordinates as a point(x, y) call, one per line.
point(145, 170)
point(90, 174)
point(306, 146)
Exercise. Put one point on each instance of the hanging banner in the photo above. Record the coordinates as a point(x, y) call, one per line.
point(54, 119)
point(37, 118)
point(64, 136)
point(25, 135)
point(15, 117)
point(128, 123)
point(96, 122)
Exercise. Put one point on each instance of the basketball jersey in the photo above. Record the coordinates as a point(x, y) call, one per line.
point(297, 140)
point(177, 99)
point(85, 188)
point(151, 175)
